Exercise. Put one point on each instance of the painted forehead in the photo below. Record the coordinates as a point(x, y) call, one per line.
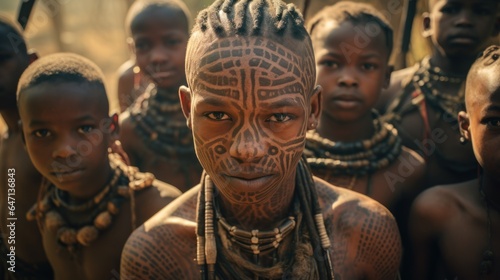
point(230, 65)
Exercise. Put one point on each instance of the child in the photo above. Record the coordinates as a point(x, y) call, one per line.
point(352, 147)
point(259, 213)
point(455, 227)
point(154, 133)
point(423, 101)
point(23, 240)
point(92, 200)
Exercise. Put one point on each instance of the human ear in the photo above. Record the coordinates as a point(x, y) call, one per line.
point(387, 78)
point(426, 22)
point(131, 44)
point(114, 127)
point(464, 123)
point(33, 55)
point(315, 104)
point(185, 99)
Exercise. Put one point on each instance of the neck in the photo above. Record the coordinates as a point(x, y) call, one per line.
point(11, 118)
point(266, 214)
point(452, 65)
point(359, 129)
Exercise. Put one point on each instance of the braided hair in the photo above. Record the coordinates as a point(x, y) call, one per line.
point(272, 19)
point(356, 13)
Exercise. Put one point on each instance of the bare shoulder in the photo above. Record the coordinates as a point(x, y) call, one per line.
point(164, 247)
point(364, 234)
point(436, 205)
point(151, 200)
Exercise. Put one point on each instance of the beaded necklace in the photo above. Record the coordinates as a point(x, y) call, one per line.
point(354, 158)
point(52, 210)
point(207, 242)
point(425, 79)
point(153, 116)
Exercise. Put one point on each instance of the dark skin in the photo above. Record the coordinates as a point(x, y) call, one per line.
point(130, 84)
point(159, 42)
point(55, 147)
point(13, 155)
point(450, 222)
point(351, 85)
point(249, 145)
point(458, 30)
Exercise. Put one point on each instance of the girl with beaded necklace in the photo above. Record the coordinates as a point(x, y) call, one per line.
point(90, 200)
point(258, 212)
point(454, 228)
point(423, 100)
point(352, 147)
point(154, 132)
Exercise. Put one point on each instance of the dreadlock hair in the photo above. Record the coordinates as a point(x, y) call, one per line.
point(356, 13)
point(272, 19)
point(63, 68)
point(140, 7)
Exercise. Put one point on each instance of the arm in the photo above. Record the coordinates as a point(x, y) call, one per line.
point(428, 214)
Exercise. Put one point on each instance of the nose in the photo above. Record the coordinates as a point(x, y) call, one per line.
point(65, 148)
point(464, 19)
point(247, 146)
point(347, 78)
point(159, 54)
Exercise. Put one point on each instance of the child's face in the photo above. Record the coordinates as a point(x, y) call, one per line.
point(12, 64)
point(483, 109)
point(461, 27)
point(351, 65)
point(250, 115)
point(67, 133)
point(159, 42)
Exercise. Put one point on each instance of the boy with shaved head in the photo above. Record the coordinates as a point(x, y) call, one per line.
point(258, 213)
point(455, 227)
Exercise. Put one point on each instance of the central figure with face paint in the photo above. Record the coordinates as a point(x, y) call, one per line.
point(258, 213)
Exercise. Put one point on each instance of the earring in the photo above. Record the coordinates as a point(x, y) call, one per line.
point(462, 140)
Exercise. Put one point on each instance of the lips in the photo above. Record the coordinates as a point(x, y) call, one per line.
point(463, 39)
point(347, 101)
point(248, 180)
point(67, 174)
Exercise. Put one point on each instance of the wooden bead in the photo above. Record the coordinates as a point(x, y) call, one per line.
point(87, 235)
point(103, 220)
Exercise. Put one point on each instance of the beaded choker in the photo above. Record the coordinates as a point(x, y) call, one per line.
point(257, 242)
point(152, 114)
point(354, 158)
point(52, 211)
point(426, 78)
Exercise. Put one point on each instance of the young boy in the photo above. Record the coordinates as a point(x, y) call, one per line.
point(92, 200)
point(455, 227)
point(259, 213)
point(352, 147)
point(154, 133)
point(423, 101)
point(22, 253)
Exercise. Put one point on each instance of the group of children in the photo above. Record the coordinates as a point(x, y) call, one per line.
point(262, 147)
